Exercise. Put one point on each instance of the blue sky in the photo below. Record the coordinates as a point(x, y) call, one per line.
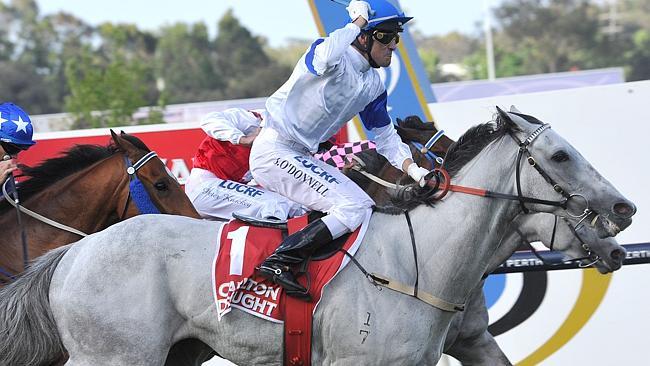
point(277, 20)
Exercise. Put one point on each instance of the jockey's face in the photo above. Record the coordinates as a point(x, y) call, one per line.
point(382, 53)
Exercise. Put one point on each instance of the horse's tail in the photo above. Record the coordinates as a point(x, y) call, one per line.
point(28, 334)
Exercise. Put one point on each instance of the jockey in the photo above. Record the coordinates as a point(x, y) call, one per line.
point(217, 183)
point(333, 81)
point(16, 132)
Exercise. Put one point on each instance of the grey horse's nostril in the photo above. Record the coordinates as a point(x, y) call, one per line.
point(616, 254)
point(624, 209)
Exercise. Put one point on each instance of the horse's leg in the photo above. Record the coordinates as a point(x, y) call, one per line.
point(469, 340)
point(480, 350)
point(189, 352)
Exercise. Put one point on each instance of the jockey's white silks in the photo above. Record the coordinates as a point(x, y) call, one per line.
point(288, 169)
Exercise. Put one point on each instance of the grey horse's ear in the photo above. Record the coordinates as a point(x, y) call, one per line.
point(514, 109)
point(503, 114)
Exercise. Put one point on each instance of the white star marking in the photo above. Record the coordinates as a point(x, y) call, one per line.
point(3, 120)
point(21, 125)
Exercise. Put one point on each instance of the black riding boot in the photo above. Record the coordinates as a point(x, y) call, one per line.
point(295, 249)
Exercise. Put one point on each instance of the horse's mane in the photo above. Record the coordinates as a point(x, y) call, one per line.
point(414, 122)
point(73, 160)
point(470, 144)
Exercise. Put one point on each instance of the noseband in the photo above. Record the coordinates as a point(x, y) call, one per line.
point(592, 257)
point(523, 150)
point(582, 216)
point(137, 191)
point(426, 148)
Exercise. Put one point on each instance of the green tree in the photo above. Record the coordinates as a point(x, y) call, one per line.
point(288, 54)
point(104, 94)
point(22, 85)
point(185, 62)
point(638, 59)
point(241, 58)
point(67, 35)
point(127, 42)
point(547, 34)
point(430, 62)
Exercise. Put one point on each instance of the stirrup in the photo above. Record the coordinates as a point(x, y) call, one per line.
point(277, 271)
point(292, 287)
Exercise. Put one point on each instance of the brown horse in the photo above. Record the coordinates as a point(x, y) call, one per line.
point(87, 188)
point(413, 132)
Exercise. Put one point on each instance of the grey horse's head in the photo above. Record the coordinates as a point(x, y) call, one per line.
point(575, 240)
point(560, 161)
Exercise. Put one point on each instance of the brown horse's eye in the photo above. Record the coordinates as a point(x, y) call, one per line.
point(161, 186)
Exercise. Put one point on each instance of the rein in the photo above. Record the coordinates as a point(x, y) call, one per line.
point(590, 255)
point(444, 181)
point(441, 182)
point(135, 185)
point(38, 216)
point(14, 199)
point(380, 281)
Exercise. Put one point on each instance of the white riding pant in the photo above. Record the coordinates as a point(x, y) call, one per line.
point(217, 198)
point(288, 168)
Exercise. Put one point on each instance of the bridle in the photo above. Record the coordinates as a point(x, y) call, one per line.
point(440, 184)
point(136, 190)
point(523, 150)
point(426, 148)
point(440, 179)
point(592, 257)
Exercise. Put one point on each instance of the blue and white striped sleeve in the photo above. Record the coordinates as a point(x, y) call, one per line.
point(375, 118)
point(326, 53)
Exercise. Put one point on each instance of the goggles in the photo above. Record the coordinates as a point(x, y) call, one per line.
point(385, 37)
point(11, 149)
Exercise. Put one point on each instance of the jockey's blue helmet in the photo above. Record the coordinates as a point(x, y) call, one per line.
point(385, 16)
point(15, 126)
point(384, 25)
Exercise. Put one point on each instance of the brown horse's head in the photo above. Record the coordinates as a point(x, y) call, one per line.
point(411, 129)
point(85, 189)
point(163, 189)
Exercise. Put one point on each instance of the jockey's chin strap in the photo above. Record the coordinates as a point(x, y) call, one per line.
point(382, 281)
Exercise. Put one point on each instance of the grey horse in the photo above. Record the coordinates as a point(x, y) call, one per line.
point(468, 339)
point(125, 295)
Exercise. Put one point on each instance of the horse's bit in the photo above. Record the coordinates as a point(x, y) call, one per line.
point(523, 149)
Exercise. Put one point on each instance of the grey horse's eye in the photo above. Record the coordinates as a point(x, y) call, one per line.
point(560, 156)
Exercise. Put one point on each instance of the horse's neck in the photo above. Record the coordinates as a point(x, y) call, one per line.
point(456, 238)
point(86, 200)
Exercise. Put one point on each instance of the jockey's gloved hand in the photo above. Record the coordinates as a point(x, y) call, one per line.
point(358, 9)
point(418, 174)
